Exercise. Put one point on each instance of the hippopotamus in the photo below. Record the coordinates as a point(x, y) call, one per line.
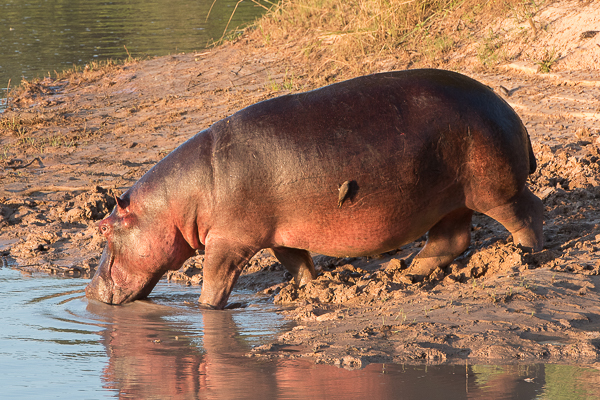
point(355, 168)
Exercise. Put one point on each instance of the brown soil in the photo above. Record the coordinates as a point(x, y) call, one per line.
point(93, 134)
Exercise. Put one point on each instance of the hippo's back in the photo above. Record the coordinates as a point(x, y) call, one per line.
point(412, 143)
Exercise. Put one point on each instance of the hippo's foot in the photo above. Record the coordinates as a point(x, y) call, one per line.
point(524, 218)
point(229, 306)
point(446, 240)
point(205, 306)
point(421, 268)
point(298, 262)
point(237, 304)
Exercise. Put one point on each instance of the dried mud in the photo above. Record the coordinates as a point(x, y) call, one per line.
point(92, 135)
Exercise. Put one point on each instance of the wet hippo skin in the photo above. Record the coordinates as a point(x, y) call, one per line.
point(355, 168)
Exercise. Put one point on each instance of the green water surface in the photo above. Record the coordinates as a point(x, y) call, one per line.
point(38, 37)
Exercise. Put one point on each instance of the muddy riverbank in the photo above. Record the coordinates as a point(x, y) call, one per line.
point(69, 144)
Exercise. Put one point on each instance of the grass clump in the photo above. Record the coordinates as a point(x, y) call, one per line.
point(93, 70)
point(288, 83)
point(546, 63)
point(487, 52)
point(337, 39)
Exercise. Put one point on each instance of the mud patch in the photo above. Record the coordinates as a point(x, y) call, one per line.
point(46, 232)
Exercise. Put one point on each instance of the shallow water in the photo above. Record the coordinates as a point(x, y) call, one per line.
point(38, 37)
point(56, 344)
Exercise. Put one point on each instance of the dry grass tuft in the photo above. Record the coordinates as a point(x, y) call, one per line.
point(338, 39)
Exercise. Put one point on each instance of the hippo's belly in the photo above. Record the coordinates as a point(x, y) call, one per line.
point(370, 225)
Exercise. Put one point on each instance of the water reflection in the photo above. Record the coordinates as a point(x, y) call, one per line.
point(156, 352)
point(153, 355)
point(56, 344)
point(48, 349)
point(507, 381)
point(148, 358)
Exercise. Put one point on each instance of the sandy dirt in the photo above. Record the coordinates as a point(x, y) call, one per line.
point(68, 145)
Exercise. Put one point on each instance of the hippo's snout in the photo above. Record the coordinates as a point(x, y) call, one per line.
point(102, 287)
point(97, 289)
point(106, 291)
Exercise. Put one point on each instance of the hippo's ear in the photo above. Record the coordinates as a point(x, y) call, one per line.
point(122, 205)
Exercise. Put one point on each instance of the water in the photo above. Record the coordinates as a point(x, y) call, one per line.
point(56, 344)
point(3, 99)
point(38, 37)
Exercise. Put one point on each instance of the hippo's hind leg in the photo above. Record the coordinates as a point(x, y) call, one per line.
point(446, 240)
point(298, 262)
point(223, 263)
point(523, 216)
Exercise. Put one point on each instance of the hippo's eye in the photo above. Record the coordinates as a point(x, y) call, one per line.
point(103, 229)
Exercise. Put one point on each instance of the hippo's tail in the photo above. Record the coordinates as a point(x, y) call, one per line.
point(532, 161)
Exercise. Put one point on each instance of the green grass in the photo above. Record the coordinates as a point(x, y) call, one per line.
point(488, 50)
point(549, 59)
point(289, 83)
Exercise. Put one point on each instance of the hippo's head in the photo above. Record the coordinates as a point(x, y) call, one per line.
point(141, 246)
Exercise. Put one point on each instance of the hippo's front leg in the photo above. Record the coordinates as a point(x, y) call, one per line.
point(223, 262)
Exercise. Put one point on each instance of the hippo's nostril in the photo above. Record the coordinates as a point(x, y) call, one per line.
point(98, 289)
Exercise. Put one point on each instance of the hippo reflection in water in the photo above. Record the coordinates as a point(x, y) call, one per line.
point(417, 151)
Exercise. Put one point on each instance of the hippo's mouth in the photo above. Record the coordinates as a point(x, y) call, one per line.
point(111, 285)
point(106, 292)
point(103, 287)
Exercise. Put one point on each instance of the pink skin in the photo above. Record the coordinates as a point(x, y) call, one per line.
point(140, 262)
point(423, 148)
